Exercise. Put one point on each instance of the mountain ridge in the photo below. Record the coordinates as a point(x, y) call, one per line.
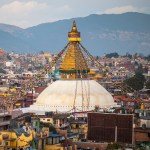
point(128, 32)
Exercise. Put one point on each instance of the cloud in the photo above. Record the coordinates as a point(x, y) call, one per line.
point(120, 10)
point(28, 13)
point(19, 13)
point(145, 44)
point(19, 7)
point(65, 8)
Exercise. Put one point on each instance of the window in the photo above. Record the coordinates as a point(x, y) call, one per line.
point(49, 141)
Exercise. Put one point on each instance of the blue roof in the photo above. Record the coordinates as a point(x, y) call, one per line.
point(54, 135)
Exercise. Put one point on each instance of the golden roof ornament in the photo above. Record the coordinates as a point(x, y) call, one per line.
point(74, 65)
point(74, 35)
point(74, 27)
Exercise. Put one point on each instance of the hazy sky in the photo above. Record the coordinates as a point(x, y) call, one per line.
point(26, 13)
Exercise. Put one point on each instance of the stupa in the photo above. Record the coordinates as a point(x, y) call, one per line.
point(74, 91)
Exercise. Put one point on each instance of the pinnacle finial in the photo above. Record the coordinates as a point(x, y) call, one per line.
point(74, 27)
point(74, 35)
point(74, 23)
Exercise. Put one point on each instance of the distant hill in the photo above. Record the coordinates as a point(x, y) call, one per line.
point(128, 32)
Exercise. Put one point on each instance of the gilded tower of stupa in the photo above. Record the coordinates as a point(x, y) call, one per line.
point(74, 65)
point(74, 91)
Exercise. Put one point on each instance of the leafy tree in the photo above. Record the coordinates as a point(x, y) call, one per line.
point(96, 108)
point(140, 76)
point(136, 63)
point(140, 69)
point(145, 70)
point(136, 82)
point(2, 71)
point(148, 58)
point(147, 84)
point(49, 125)
point(115, 145)
point(41, 52)
point(96, 57)
point(8, 57)
point(29, 69)
point(110, 65)
point(129, 55)
point(135, 55)
point(112, 55)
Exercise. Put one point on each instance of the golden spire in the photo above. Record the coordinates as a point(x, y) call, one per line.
point(74, 35)
point(74, 65)
point(74, 27)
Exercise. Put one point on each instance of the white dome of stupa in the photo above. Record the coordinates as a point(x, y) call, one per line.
point(82, 95)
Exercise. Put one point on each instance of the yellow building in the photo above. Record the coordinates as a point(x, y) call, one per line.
point(57, 120)
point(19, 139)
point(45, 55)
point(15, 139)
point(53, 142)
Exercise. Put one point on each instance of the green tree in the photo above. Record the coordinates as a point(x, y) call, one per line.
point(110, 65)
point(140, 76)
point(8, 57)
point(148, 58)
point(112, 55)
point(136, 82)
point(115, 145)
point(41, 52)
point(129, 55)
point(96, 108)
point(145, 70)
point(2, 71)
point(29, 69)
point(147, 84)
point(49, 125)
point(140, 69)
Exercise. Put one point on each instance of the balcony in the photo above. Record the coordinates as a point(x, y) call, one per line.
point(4, 123)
